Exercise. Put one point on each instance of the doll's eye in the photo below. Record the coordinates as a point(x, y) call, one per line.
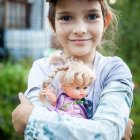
point(85, 87)
point(77, 88)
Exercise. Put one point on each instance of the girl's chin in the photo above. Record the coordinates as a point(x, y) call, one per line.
point(82, 49)
point(80, 52)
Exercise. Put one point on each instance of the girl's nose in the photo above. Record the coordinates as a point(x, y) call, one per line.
point(80, 28)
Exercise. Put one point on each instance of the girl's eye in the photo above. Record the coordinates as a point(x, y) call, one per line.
point(66, 18)
point(85, 87)
point(91, 17)
point(77, 88)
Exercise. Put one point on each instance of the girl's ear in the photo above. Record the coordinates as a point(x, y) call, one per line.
point(107, 20)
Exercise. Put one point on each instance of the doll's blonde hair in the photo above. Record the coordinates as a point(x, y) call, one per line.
point(77, 73)
point(72, 71)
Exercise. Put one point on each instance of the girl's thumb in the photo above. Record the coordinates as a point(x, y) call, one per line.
point(23, 99)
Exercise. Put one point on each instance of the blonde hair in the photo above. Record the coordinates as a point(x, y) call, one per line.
point(77, 73)
point(73, 71)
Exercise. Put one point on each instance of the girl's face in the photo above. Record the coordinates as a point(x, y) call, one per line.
point(79, 26)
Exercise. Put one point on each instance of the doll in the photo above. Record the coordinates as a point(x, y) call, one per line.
point(75, 77)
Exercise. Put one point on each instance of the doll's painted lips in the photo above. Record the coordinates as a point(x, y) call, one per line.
point(82, 94)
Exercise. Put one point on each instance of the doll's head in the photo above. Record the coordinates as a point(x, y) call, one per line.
point(74, 77)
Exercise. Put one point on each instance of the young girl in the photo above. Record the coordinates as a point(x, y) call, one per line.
point(80, 27)
point(75, 78)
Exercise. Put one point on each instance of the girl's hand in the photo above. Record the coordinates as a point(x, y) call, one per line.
point(21, 114)
point(128, 130)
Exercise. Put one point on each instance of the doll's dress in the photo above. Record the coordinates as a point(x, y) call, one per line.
point(66, 105)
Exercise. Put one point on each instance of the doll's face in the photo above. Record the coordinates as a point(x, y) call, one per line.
point(75, 92)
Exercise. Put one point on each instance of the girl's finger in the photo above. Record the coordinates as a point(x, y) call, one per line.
point(23, 99)
point(131, 121)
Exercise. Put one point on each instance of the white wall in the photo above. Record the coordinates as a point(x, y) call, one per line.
point(26, 43)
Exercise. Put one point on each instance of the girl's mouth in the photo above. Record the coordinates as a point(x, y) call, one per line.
point(80, 41)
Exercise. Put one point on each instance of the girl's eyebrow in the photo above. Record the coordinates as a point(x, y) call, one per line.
point(63, 12)
point(89, 11)
point(94, 10)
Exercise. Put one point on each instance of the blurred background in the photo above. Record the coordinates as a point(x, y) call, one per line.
point(25, 36)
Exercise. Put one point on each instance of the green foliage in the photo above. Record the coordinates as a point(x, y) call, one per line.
point(129, 49)
point(129, 42)
point(13, 79)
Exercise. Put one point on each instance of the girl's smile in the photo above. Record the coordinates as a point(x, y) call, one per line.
point(80, 42)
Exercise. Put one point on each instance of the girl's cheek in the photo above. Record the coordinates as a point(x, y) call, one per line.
point(66, 29)
point(61, 32)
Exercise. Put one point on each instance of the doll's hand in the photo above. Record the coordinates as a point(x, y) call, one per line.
point(128, 130)
point(49, 95)
point(21, 114)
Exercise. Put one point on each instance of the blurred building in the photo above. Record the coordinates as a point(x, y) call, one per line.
point(24, 29)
